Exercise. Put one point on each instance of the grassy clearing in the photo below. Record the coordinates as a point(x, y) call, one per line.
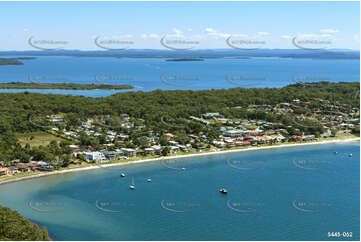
point(37, 138)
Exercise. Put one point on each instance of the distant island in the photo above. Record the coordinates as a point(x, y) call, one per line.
point(185, 59)
point(65, 86)
point(14, 61)
point(26, 58)
point(10, 62)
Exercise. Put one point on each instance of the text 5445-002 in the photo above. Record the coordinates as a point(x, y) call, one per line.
point(340, 234)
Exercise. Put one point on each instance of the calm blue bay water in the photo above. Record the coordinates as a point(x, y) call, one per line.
point(150, 74)
point(298, 193)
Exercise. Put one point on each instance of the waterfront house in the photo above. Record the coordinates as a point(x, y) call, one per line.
point(173, 149)
point(246, 142)
point(26, 167)
point(4, 171)
point(157, 149)
point(128, 152)
point(280, 138)
point(112, 155)
point(140, 152)
point(149, 151)
point(13, 170)
point(238, 143)
point(308, 137)
point(219, 144)
point(296, 138)
point(183, 148)
point(95, 156)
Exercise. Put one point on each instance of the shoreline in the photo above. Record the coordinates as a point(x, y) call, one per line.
point(173, 157)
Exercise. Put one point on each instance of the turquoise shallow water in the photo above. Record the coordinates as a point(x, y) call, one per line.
point(298, 193)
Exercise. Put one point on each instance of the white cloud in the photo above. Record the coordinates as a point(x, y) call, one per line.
point(308, 35)
point(214, 33)
point(240, 35)
point(316, 36)
point(356, 37)
point(121, 36)
point(210, 30)
point(149, 36)
point(154, 36)
point(177, 32)
point(263, 33)
point(286, 36)
point(199, 36)
point(326, 35)
point(329, 31)
point(189, 30)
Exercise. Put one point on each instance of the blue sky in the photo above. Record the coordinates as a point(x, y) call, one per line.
point(141, 25)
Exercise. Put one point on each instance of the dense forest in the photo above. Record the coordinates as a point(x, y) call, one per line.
point(13, 227)
point(156, 106)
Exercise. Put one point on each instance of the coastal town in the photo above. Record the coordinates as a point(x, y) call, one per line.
point(109, 139)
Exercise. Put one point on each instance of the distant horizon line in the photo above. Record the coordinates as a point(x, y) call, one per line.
point(188, 50)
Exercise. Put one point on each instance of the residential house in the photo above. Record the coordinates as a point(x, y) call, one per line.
point(128, 152)
point(140, 152)
point(173, 149)
point(13, 170)
point(219, 144)
point(199, 120)
point(246, 142)
point(149, 151)
point(308, 137)
point(183, 148)
point(157, 149)
point(234, 133)
point(169, 135)
point(95, 156)
point(112, 155)
point(4, 171)
point(212, 115)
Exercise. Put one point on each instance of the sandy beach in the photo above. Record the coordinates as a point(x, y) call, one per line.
point(174, 157)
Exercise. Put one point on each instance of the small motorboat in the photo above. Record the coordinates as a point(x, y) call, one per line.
point(132, 187)
point(350, 155)
point(149, 180)
point(183, 169)
point(122, 175)
point(335, 152)
point(223, 191)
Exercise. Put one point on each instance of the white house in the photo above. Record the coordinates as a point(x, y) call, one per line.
point(233, 133)
point(95, 156)
point(219, 144)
